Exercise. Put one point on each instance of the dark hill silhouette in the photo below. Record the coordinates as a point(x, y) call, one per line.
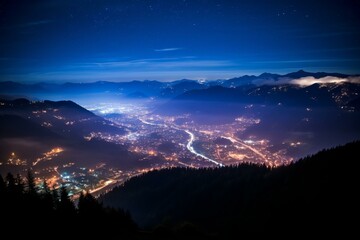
point(268, 76)
point(31, 128)
point(65, 118)
point(249, 199)
point(302, 73)
point(238, 81)
point(315, 195)
point(180, 87)
point(16, 126)
point(355, 104)
point(150, 88)
point(314, 95)
point(47, 208)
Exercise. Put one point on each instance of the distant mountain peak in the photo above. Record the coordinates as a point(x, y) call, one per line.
point(268, 75)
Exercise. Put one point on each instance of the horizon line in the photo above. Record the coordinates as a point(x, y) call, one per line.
point(176, 79)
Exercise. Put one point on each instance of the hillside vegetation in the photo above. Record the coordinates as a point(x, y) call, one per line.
point(316, 193)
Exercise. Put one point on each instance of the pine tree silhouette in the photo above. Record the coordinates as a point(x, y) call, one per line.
point(34, 208)
point(55, 198)
point(47, 197)
point(89, 205)
point(31, 189)
point(19, 185)
point(2, 185)
point(66, 206)
point(10, 183)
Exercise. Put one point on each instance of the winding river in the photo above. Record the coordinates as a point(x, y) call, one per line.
point(190, 147)
point(189, 144)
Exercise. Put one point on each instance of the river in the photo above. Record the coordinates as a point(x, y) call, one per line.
point(189, 145)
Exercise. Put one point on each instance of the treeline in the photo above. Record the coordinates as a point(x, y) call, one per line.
point(24, 207)
point(315, 194)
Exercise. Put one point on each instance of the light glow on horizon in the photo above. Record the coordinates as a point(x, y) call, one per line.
point(307, 81)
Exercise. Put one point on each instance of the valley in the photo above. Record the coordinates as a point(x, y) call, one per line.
point(96, 143)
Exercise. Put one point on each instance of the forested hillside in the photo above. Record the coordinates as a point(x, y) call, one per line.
point(248, 198)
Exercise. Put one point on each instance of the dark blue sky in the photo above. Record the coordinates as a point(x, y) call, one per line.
point(84, 40)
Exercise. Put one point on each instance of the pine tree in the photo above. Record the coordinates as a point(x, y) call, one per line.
point(66, 206)
point(19, 184)
point(47, 197)
point(2, 194)
point(2, 185)
point(31, 189)
point(55, 197)
point(81, 202)
point(10, 183)
point(88, 205)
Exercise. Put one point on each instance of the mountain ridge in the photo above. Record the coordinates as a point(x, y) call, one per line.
point(154, 88)
point(248, 198)
point(30, 128)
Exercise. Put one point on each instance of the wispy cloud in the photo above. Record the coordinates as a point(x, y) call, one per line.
point(157, 63)
point(29, 24)
point(163, 69)
point(167, 49)
point(306, 61)
point(328, 34)
point(307, 81)
point(36, 23)
point(119, 75)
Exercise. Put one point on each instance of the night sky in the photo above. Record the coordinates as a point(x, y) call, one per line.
point(98, 40)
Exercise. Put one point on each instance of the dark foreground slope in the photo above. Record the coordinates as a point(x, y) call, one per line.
point(316, 193)
point(50, 214)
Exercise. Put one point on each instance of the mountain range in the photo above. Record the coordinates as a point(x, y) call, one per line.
point(30, 129)
point(322, 112)
point(317, 116)
point(152, 88)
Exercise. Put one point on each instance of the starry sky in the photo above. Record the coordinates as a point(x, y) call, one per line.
point(108, 40)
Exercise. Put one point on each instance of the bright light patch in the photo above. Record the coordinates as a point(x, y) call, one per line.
point(307, 81)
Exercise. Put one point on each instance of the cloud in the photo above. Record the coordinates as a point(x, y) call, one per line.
point(307, 81)
point(158, 63)
point(163, 69)
point(29, 24)
point(167, 49)
point(119, 75)
point(36, 23)
point(307, 60)
point(354, 79)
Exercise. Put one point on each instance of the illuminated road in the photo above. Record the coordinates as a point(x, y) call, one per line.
point(235, 140)
point(107, 183)
point(148, 123)
point(152, 124)
point(48, 155)
point(96, 192)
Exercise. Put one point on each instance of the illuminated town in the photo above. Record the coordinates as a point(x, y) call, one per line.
point(163, 141)
point(156, 141)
